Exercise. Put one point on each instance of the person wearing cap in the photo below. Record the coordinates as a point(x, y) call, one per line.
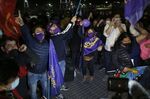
point(59, 38)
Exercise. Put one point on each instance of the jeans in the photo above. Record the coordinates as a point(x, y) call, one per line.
point(32, 82)
point(62, 65)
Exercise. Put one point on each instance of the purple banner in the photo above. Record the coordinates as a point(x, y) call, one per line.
point(91, 44)
point(134, 10)
point(54, 71)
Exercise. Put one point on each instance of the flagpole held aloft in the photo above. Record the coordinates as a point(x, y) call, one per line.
point(77, 10)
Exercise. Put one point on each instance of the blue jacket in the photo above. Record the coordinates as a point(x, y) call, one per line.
point(41, 49)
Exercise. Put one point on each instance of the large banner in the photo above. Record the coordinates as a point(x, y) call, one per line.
point(55, 72)
point(134, 10)
point(7, 19)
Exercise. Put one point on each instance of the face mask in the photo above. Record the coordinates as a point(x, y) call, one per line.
point(13, 84)
point(77, 22)
point(107, 22)
point(57, 30)
point(14, 52)
point(91, 34)
point(39, 36)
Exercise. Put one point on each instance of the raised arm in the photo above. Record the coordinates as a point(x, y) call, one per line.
point(69, 26)
point(26, 35)
point(90, 16)
point(108, 28)
point(121, 27)
point(143, 33)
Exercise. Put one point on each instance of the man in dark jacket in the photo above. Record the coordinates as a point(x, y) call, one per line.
point(39, 46)
point(59, 39)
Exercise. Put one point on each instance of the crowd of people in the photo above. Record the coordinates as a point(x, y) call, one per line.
point(111, 42)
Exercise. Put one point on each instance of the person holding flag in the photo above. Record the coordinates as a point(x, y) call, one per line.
point(91, 45)
point(57, 62)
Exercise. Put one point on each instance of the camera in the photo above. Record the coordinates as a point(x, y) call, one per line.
point(118, 85)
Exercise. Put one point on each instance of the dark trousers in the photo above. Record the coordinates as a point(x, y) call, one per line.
point(108, 60)
point(76, 59)
point(145, 79)
point(22, 88)
point(88, 65)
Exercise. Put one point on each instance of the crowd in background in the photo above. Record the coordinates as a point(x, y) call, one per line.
point(111, 42)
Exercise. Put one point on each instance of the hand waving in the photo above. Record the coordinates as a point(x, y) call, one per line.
point(74, 18)
point(19, 19)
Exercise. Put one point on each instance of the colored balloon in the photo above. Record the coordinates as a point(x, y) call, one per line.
point(86, 23)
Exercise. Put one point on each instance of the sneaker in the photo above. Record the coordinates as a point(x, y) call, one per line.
point(64, 88)
point(111, 71)
point(43, 97)
point(101, 68)
point(91, 78)
point(59, 96)
point(75, 73)
point(85, 79)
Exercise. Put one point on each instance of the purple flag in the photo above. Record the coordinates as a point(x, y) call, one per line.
point(54, 71)
point(134, 10)
point(91, 44)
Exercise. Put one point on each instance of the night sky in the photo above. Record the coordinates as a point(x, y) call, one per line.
point(56, 2)
point(42, 5)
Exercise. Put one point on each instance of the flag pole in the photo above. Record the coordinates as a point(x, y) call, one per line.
point(49, 87)
point(76, 13)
